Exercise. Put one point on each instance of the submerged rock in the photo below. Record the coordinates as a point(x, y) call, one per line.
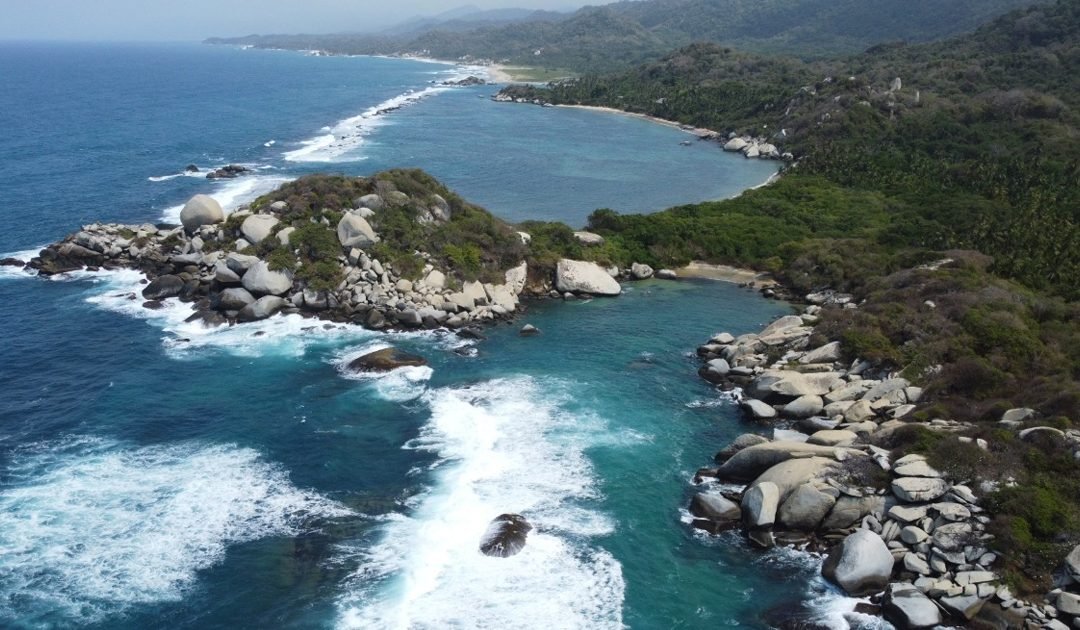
point(385, 360)
point(505, 536)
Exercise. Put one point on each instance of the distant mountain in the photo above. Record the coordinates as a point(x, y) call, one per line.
point(625, 33)
point(470, 18)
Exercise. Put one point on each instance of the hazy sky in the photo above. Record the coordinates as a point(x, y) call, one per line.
point(196, 19)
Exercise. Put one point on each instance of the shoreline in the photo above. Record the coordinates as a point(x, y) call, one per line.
point(727, 273)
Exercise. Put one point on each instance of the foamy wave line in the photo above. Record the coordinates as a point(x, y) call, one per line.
point(19, 272)
point(503, 446)
point(91, 527)
point(347, 135)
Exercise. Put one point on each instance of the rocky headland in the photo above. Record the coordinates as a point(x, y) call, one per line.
point(358, 250)
point(840, 474)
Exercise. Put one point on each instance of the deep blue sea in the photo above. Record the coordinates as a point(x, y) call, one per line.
point(154, 474)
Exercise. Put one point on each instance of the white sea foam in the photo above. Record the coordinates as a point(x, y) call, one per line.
point(282, 335)
point(90, 527)
point(503, 446)
point(232, 192)
point(19, 272)
point(165, 178)
point(347, 135)
point(830, 607)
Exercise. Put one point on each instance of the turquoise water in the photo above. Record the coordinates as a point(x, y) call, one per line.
point(156, 474)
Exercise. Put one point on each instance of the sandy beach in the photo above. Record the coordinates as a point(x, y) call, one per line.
point(727, 273)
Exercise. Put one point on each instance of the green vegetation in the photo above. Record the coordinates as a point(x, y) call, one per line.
point(622, 34)
point(472, 243)
point(976, 150)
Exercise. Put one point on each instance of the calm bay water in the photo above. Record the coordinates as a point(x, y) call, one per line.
point(155, 474)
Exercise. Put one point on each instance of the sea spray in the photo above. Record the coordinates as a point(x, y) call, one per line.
point(90, 527)
point(503, 446)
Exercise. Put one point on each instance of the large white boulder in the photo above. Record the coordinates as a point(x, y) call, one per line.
point(201, 210)
point(260, 280)
point(861, 564)
point(589, 238)
point(257, 227)
point(354, 231)
point(908, 609)
point(517, 277)
point(735, 144)
point(577, 276)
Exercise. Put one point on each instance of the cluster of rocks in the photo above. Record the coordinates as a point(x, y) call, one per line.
point(231, 171)
point(752, 147)
point(896, 528)
point(199, 262)
point(782, 377)
point(502, 97)
point(906, 535)
point(466, 82)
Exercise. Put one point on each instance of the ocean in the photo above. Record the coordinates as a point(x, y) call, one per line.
point(157, 474)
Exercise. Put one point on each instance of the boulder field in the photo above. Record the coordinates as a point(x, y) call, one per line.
point(892, 526)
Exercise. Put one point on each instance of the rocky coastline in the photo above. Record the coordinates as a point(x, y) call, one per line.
point(749, 146)
point(831, 479)
point(250, 265)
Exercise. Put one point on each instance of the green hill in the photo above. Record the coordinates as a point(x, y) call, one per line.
point(977, 149)
point(625, 33)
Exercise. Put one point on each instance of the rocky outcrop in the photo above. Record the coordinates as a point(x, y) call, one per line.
point(576, 276)
point(230, 171)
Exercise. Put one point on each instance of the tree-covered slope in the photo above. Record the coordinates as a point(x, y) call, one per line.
point(625, 33)
point(977, 148)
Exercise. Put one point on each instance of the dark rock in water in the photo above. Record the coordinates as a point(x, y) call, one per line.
point(385, 360)
point(153, 305)
point(11, 262)
point(505, 536)
point(65, 257)
point(471, 333)
point(228, 172)
point(528, 330)
point(864, 608)
point(191, 168)
point(162, 287)
point(208, 317)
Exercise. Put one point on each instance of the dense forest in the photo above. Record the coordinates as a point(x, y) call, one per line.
point(619, 35)
point(976, 148)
